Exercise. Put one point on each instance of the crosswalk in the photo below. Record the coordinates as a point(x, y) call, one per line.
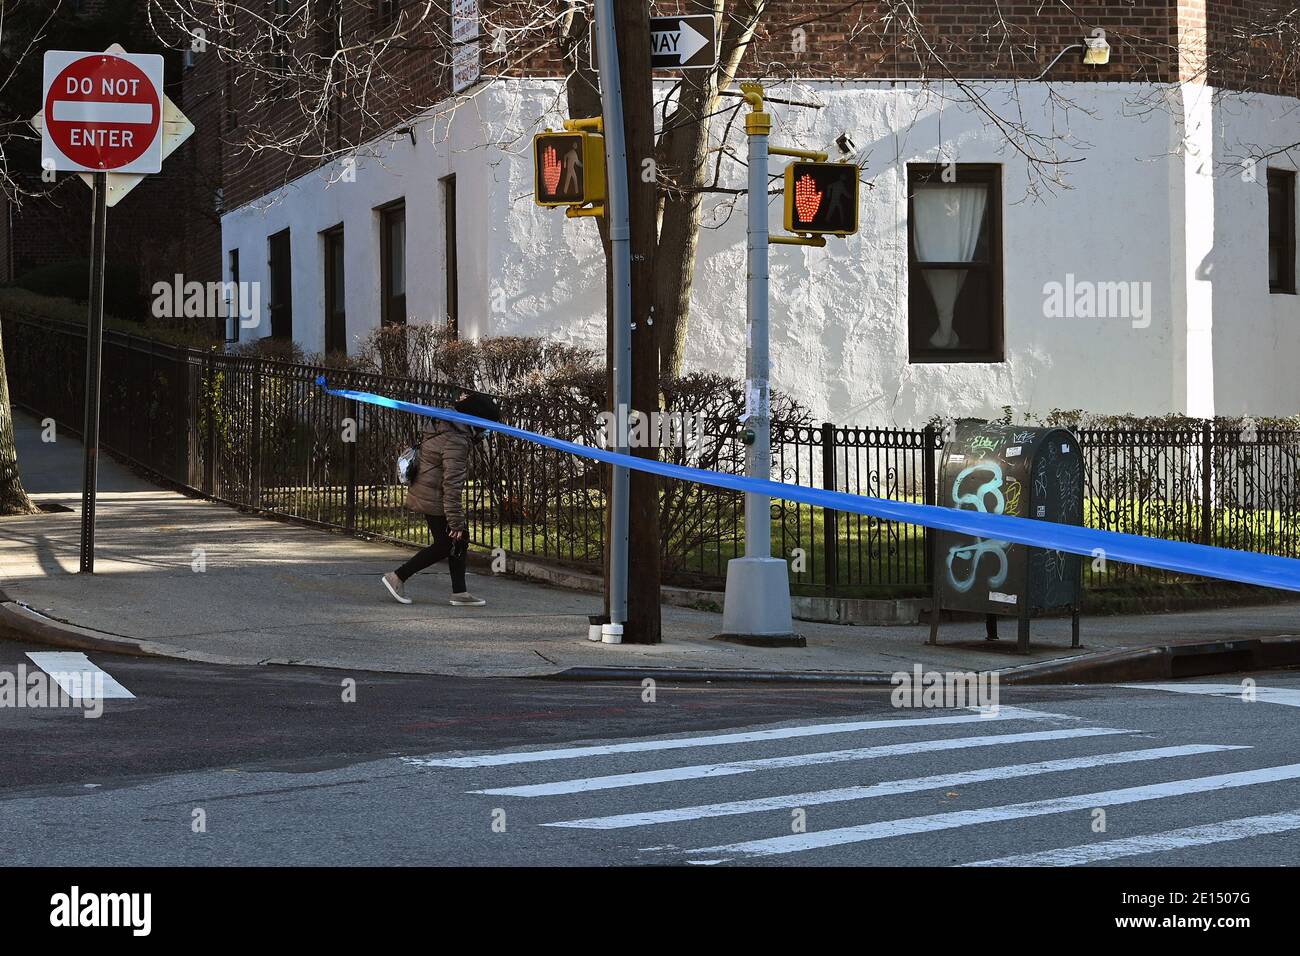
point(731, 797)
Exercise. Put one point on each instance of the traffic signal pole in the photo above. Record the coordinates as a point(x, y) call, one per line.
point(756, 608)
point(620, 252)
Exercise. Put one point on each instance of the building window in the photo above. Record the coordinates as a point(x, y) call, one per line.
point(1281, 231)
point(328, 27)
point(451, 265)
point(280, 303)
point(280, 37)
point(233, 302)
point(384, 13)
point(336, 326)
point(392, 259)
point(954, 241)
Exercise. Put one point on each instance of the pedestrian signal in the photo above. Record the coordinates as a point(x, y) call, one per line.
point(568, 168)
point(821, 198)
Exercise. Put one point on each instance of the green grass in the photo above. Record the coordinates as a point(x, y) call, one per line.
point(888, 558)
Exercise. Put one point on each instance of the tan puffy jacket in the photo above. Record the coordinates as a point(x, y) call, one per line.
point(444, 455)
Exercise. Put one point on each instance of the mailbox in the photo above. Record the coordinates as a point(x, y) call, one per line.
point(1013, 470)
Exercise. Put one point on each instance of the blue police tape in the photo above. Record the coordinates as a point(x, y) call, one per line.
point(1243, 566)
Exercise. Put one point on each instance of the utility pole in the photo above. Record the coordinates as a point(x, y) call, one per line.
point(644, 545)
point(756, 609)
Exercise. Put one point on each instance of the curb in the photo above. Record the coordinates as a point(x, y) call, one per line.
point(1159, 662)
point(21, 623)
point(1162, 662)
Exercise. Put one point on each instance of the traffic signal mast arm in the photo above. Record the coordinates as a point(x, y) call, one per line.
point(808, 154)
point(758, 121)
point(593, 124)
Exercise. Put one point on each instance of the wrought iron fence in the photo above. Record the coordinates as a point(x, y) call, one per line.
point(262, 435)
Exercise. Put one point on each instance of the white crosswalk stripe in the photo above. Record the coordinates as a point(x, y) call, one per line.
point(699, 771)
point(1222, 831)
point(959, 818)
point(1264, 695)
point(744, 766)
point(888, 788)
point(79, 678)
point(719, 740)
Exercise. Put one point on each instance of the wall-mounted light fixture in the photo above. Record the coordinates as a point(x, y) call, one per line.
point(1096, 49)
point(1096, 52)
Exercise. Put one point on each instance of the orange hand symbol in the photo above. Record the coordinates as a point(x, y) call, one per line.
point(551, 169)
point(807, 198)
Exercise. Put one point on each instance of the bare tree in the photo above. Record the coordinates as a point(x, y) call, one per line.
point(22, 27)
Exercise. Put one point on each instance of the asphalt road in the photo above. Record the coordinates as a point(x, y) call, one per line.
point(260, 765)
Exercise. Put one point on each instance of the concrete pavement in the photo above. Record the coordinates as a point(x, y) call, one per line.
point(272, 591)
point(215, 765)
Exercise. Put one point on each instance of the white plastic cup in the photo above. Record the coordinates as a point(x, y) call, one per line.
point(611, 633)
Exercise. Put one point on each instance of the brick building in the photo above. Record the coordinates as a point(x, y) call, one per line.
point(170, 223)
point(1116, 237)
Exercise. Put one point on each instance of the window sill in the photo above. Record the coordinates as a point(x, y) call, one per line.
point(961, 358)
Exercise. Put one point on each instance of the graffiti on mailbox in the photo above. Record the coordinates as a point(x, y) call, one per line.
point(976, 496)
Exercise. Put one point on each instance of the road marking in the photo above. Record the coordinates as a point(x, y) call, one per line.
point(645, 777)
point(72, 670)
point(1222, 832)
point(775, 846)
point(1266, 695)
point(719, 740)
point(886, 788)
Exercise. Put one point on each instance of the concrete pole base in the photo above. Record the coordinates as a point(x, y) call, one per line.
point(756, 609)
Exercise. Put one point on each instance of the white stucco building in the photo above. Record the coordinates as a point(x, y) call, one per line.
point(1158, 276)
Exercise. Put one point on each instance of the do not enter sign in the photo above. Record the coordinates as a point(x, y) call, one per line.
point(102, 112)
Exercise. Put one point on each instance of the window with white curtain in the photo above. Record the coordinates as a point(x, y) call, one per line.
point(955, 263)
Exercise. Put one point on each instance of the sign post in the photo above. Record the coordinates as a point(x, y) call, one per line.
point(94, 352)
point(103, 114)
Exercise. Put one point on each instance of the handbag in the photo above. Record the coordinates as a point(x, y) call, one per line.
point(408, 464)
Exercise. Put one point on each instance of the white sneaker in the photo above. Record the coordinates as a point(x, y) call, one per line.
point(395, 588)
point(465, 599)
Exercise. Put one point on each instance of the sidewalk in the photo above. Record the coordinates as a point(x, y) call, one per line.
point(275, 592)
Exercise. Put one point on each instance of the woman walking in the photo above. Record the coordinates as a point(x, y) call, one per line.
point(435, 492)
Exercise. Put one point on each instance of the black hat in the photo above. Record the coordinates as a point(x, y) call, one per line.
point(479, 405)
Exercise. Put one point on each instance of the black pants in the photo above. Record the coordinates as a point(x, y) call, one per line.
point(443, 547)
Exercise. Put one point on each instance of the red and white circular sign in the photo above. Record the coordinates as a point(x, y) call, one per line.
point(103, 112)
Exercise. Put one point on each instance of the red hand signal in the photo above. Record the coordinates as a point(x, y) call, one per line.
point(551, 169)
point(807, 198)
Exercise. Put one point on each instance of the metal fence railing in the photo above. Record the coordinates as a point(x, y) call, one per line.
point(263, 435)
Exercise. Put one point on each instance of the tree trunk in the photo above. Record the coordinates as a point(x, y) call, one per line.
point(633, 25)
point(13, 497)
point(685, 171)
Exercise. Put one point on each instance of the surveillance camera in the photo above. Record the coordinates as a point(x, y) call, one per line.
point(845, 144)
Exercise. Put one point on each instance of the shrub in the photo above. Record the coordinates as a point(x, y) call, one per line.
point(71, 278)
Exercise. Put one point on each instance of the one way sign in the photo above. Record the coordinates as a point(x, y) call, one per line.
point(678, 43)
point(683, 43)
